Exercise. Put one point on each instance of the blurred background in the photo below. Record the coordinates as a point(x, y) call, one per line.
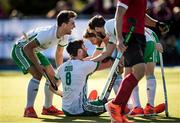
point(17, 16)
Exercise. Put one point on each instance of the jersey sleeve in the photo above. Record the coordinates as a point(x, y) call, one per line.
point(90, 66)
point(110, 31)
point(63, 41)
point(150, 35)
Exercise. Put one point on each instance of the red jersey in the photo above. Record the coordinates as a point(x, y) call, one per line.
point(136, 9)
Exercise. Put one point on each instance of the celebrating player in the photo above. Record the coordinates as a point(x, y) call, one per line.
point(27, 55)
point(101, 45)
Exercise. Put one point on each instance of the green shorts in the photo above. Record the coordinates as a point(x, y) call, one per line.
point(151, 54)
point(91, 108)
point(22, 60)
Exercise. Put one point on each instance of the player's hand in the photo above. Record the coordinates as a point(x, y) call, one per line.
point(58, 92)
point(120, 67)
point(120, 46)
point(159, 47)
point(163, 27)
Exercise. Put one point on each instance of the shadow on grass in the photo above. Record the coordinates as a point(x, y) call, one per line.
point(106, 119)
point(79, 119)
point(156, 119)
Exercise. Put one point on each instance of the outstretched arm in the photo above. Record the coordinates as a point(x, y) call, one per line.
point(164, 28)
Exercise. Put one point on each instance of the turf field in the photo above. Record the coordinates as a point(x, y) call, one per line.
point(13, 86)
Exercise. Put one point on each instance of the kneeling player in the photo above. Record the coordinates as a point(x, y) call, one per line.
point(74, 74)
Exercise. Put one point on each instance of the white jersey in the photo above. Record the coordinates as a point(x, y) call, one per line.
point(46, 37)
point(150, 35)
point(110, 30)
point(74, 75)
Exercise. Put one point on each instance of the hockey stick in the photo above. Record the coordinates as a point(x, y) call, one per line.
point(45, 74)
point(112, 74)
point(164, 85)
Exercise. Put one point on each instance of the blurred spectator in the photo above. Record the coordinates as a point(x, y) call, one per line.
point(16, 14)
point(4, 8)
point(103, 7)
point(161, 11)
point(60, 5)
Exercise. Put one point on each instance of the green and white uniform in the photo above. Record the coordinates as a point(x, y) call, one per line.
point(74, 75)
point(45, 37)
point(151, 54)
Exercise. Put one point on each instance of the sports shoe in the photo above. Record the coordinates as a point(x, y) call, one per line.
point(149, 109)
point(126, 110)
point(159, 108)
point(30, 112)
point(137, 111)
point(93, 95)
point(51, 111)
point(114, 111)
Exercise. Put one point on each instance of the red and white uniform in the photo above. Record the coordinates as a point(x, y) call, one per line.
point(136, 10)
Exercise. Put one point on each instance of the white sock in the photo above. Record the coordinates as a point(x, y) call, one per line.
point(117, 83)
point(48, 95)
point(151, 89)
point(32, 92)
point(135, 97)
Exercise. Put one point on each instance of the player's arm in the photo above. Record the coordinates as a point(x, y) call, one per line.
point(150, 21)
point(59, 55)
point(96, 52)
point(29, 50)
point(106, 63)
point(164, 28)
point(120, 11)
point(109, 50)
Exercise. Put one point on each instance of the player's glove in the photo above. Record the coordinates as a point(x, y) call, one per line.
point(163, 27)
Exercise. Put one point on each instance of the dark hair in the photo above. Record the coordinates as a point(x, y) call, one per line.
point(64, 16)
point(73, 47)
point(88, 34)
point(96, 21)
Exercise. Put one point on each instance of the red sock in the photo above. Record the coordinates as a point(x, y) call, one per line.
point(125, 90)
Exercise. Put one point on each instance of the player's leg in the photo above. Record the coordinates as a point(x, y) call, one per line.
point(133, 58)
point(117, 83)
point(151, 57)
point(136, 109)
point(150, 60)
point(33, 88)
point(26, 66)
point(48, 108)
point(151, 87)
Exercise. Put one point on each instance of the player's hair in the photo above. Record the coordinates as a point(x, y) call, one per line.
point(64, 16)
point(73, 47)
point(96, 21)
point(88, 34)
